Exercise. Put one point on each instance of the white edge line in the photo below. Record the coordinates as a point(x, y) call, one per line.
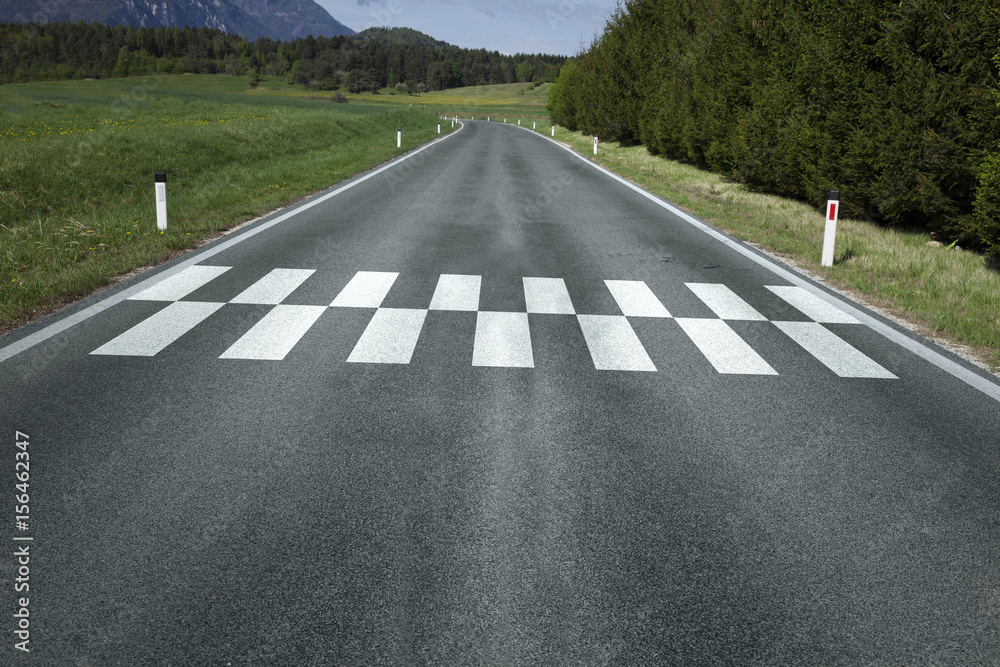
point(58, 327)
point(972, 379)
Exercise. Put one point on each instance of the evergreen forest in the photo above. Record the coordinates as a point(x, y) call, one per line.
point(892, 103)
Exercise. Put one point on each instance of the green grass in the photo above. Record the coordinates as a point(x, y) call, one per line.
point(77, 161)
point(948, 294)
point(513, 100)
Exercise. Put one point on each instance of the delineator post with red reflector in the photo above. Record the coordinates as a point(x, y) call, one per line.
point(832, 211)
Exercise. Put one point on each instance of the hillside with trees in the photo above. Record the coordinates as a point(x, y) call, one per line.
point(379, 59)
point(892, 103)
point(407, 36)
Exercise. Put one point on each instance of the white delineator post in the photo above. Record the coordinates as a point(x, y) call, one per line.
point(553, 130)
point(532, 125)
point(439, 128)
point(832, 212)
point(595, 144)
point(399, 137)
point(161, 200)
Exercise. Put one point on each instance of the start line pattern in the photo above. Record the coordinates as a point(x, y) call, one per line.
point(502, 339)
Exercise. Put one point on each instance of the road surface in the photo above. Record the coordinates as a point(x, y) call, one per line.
point(489, 405)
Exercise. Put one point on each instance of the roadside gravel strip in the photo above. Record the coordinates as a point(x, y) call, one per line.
point(198, 256)
point(916, 346)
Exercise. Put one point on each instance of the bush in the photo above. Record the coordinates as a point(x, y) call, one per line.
point(562, 97)
point(986, 220)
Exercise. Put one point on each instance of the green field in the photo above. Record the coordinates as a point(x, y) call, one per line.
point(515, 100)
point(77, 161)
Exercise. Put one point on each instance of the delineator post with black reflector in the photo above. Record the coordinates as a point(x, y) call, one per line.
point(160, 180)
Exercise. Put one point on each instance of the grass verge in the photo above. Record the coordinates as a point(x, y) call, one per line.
point(76, 174)
point(948, 295)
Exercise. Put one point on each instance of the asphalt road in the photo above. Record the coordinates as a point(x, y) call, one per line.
point(491, 406)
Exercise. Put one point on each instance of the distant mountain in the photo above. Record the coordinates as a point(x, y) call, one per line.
point(277, 19)
point(289, 19)
point(406, 36)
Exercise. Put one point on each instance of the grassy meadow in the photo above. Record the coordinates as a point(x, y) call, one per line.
point(513, 100)
point(77, 161)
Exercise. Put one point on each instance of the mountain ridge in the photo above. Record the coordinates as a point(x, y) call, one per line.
point(283, 20)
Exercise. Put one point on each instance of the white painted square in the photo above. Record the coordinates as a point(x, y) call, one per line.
point(274, 288)
point(724, 302)
point(812, 306)
point(159, 330)
point(547, 296)
point(456, 292)
point(367, 289)
point(613, 344)
point(502, 339)
point(724, 348)
point(274, 336)
point(833, 351)
point(182, 283)
point(635, 299)
point(390, 338)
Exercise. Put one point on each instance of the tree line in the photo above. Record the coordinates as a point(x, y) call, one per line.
point(47, 51)
point(893, 104)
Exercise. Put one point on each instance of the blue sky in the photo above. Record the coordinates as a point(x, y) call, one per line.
point(519, 26)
